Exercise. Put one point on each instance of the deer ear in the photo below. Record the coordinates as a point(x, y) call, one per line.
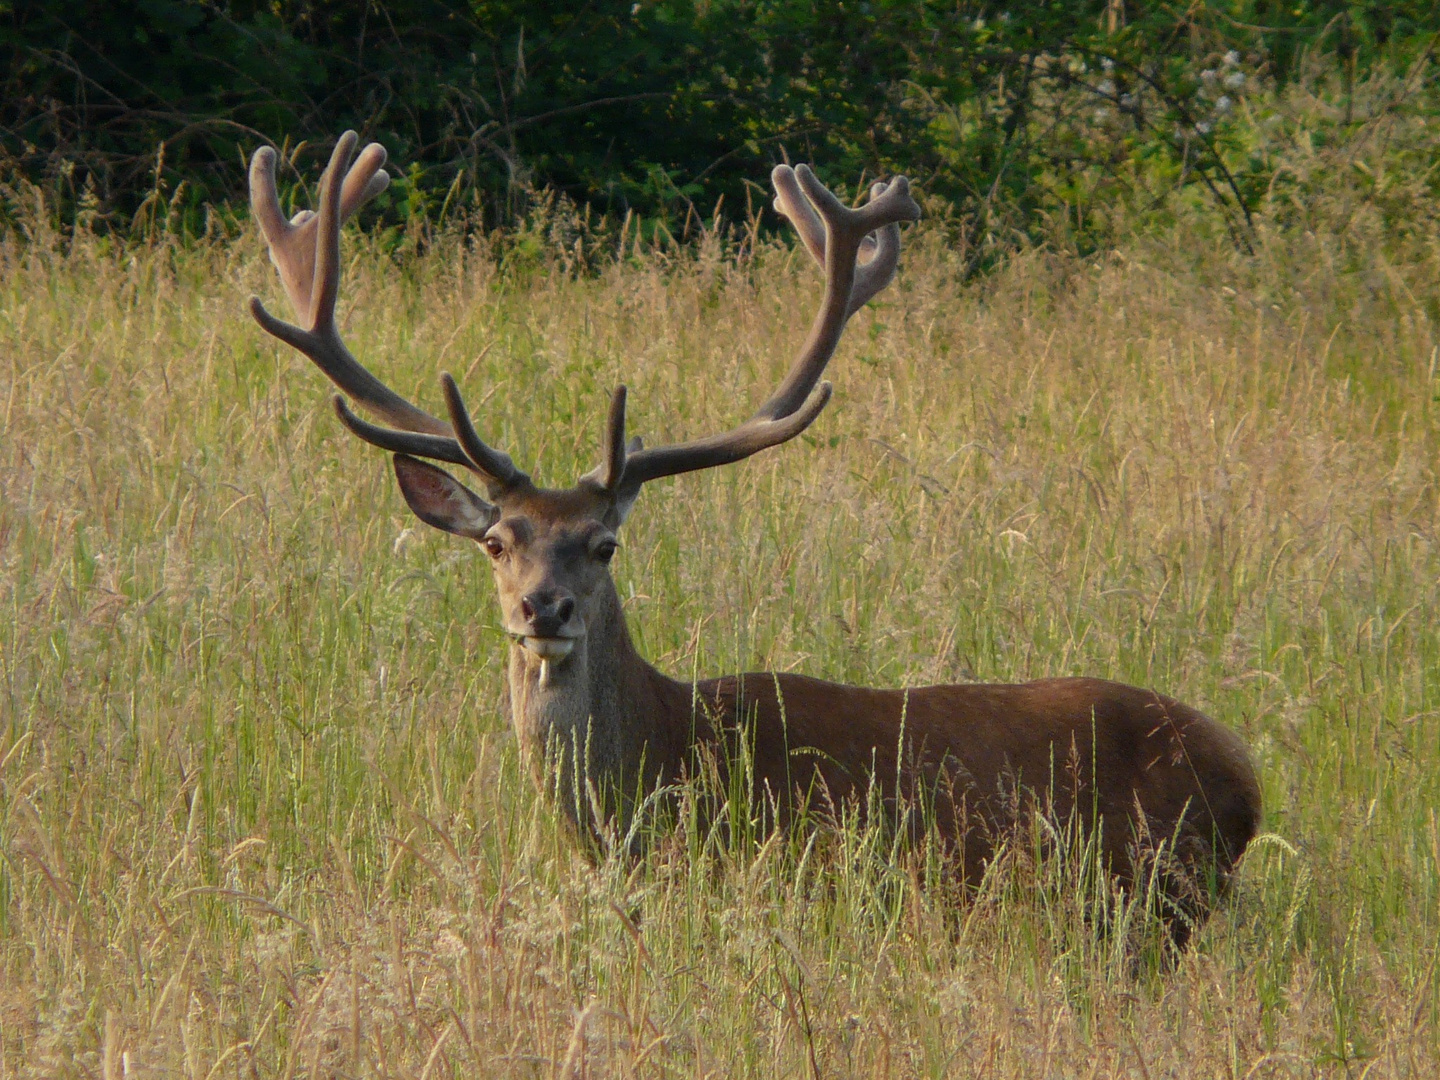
point(438, 499)
point(621, 507)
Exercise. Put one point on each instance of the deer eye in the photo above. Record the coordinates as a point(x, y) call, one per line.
point(605, 550)
point(493, 547)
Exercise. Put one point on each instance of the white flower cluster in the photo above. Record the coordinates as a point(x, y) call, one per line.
point(1215, 87)
point(1215, 98)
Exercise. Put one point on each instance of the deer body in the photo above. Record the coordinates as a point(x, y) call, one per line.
point(980, 758)
point(983, 755)
point(977, 756)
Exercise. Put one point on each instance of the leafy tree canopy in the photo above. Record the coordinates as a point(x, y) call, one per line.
point(1004, 111)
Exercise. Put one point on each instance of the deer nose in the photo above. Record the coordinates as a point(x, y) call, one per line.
point(547, 612)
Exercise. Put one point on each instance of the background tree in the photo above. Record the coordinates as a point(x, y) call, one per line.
point(1020, 117)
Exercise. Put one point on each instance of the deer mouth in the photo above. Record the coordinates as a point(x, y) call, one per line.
point(549, 648)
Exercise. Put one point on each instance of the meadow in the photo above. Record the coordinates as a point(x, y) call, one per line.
point(260, 810)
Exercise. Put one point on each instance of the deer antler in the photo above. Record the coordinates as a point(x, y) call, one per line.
point(306, 251)
point(879, 251)
point(836, 235)
point(293, 243)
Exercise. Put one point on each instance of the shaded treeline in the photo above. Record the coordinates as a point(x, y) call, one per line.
point(1014, 115)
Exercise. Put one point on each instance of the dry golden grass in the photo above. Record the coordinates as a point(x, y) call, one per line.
point(259, 811)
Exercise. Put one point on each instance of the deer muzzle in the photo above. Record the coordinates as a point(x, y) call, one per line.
point(549, 648)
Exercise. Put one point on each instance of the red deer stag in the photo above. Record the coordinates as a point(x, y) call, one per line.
point(983, 756)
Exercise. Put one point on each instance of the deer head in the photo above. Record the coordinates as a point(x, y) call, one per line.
point(551, 548)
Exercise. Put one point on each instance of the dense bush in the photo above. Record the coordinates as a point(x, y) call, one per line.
point(1021, 117)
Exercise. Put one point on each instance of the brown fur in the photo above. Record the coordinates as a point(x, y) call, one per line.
point(978, 758)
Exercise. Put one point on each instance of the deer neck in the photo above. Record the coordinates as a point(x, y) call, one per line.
point(603, 705)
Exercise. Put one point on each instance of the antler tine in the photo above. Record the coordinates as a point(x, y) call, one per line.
point(325, 290)
point(415, 443)
point(639, 466)
point(880, 255)
point(612, 463)
point(495, 467)
point(791, 202)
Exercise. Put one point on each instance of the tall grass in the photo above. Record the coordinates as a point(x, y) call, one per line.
point(260, 812)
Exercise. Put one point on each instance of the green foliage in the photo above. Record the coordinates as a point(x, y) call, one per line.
point(1022, 120)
